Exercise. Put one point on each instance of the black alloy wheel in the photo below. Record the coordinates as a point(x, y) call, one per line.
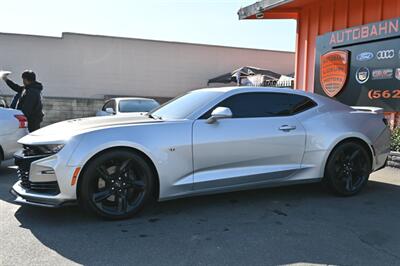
point(117, 184)
point(348, 168)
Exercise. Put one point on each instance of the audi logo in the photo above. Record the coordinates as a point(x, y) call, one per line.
point(385, 54)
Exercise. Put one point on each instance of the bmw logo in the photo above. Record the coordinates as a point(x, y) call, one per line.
point(362, 75)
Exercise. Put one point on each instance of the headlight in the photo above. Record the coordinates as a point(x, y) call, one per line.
point(51, 148)
point(32, 150)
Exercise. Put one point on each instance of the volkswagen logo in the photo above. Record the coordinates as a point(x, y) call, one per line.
point(362, 75)
point(365, 56)
point(385, 54)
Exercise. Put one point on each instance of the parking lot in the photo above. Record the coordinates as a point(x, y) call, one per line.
point(296, 224)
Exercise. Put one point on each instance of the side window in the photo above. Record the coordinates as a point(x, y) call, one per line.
point(301, 104)
point(109, 104)
point(104, 106)
point(264, 104)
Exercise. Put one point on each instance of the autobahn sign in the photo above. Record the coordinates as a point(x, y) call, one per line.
point(361, 65)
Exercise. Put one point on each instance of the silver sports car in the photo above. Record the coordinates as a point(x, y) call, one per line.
point(205, 141)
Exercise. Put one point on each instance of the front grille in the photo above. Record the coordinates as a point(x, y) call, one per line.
point(24, 164)
point(47, 187)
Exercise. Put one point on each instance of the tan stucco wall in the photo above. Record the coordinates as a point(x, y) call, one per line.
point(87, 66)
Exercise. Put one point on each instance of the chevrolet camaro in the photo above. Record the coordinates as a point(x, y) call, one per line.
point(206, 141)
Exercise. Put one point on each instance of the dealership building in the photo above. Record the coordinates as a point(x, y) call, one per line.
point(346, 49)
point(79, 71)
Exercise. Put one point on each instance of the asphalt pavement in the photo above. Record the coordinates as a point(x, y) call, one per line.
point(302, 224)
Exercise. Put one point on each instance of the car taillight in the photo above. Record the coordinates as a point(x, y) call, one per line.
point(22, 121)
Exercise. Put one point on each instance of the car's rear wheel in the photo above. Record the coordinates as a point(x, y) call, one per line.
point(116, 185)
point(348, 168)
point(1, 155)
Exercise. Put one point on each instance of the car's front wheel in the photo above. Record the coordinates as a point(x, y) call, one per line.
point(116, 184)
point(348, 168)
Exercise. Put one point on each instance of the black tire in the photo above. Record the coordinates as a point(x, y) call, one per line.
point(116, 185)
point(348, 168)
point(1, 155)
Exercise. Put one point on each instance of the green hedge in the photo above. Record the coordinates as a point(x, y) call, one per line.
point(395, 143)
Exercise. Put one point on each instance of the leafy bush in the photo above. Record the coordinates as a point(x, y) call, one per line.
point(395, 142)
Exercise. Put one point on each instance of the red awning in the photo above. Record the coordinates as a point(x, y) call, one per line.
point(273, 9)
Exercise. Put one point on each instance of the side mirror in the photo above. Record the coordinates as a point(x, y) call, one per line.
point(110, 111)
point(219, 113)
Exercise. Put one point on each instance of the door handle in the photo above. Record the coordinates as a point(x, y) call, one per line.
point(287, 128)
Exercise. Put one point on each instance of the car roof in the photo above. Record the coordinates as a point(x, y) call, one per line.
point(315, 97)
point(132, 98)
point(261, 89)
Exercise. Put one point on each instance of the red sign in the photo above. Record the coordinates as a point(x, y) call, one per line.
point(334, 68)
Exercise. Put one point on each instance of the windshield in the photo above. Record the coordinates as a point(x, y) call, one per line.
point(182, 106)
point(131, 106)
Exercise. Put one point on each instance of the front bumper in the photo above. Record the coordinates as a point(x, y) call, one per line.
point(43, 181)
point(24, 196)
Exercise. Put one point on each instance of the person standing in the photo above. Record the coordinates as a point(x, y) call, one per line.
point(30, 98)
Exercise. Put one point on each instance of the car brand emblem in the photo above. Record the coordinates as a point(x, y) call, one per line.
point(333, 71)
point(365, 56)
point(385, 54)
point(397, 74)
point(386, 73)
point(362, 75)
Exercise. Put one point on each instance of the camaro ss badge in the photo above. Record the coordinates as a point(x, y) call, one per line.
point(333, 71)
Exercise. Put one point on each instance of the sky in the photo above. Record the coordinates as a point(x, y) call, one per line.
point(195, 21)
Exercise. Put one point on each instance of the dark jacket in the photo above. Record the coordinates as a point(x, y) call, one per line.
point(30, 101)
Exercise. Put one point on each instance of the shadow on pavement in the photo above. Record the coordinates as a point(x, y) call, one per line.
point(8, 176)
point(267, 226)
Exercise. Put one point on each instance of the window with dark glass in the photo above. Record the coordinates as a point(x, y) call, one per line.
point(109, 104)
point(301, 104)
point(264, 104)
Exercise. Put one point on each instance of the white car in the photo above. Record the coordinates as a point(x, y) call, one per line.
point(206, 141)
point(13, 126)
point(127, 106)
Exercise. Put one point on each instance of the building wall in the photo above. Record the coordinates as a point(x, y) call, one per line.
point(58, 109)
point(320, 17)
point(87, 66)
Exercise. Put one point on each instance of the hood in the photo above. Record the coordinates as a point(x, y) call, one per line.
point(35, 86)
point(67, 129)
